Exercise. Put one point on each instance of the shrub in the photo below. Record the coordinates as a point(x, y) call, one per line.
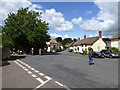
point(85, 52)
point(113, 49)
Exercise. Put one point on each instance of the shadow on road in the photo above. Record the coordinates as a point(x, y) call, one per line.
point(5, 62)
point(51, 53)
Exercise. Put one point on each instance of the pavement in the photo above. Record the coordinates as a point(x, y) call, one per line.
point(20, 75)
point(63, 70)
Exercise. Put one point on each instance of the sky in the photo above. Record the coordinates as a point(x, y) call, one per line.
point(70, 19)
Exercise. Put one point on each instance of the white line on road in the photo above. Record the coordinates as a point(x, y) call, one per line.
point(59, 83)
point(40, 80)
point(41, 84)
point(36, 71)
point(26, 69)
point(41, 74)
point(29, 72)
point(47, 77)
point(32, 69)
point(33, 75)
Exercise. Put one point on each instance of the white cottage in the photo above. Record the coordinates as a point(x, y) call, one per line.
point(115, 41)
point(53, 46)
point(94, 42)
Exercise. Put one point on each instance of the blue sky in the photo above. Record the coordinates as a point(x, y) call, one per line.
point(70, 19)
point(71, 10)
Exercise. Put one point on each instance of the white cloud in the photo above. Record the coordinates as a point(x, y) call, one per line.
point(7, 6)
point(89, 12)
point(106, 19)
point(90, 35)
point(54, 35)
point(56, 20)
point(77, 21)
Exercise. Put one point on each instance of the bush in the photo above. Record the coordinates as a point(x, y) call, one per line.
point(113, 49)
point(85, 52)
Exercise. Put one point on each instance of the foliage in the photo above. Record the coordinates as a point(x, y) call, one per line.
point(24, 30)
point(106, 39)
point(113, 49)
point(85, 52)
point(67, 41)
point(59, 39)
point(75, 39)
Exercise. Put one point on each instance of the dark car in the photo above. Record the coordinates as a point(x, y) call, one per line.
point(97, 55)
point(70, 50)
point(109, 54)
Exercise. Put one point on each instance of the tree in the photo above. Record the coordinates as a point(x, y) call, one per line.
point(74, 39)
point(25, 30)
point(67, 41)
point(59, 39)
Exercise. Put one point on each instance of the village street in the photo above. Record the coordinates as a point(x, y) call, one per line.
point(72, 70)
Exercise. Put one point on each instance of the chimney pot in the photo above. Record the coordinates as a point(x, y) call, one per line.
point(100, 34)
point(84, 36)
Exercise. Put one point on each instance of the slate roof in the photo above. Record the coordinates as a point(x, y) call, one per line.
point(87, 41)
point(116, 36)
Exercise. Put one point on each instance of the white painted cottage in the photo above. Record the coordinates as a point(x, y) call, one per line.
point(115, 41)
point(94, 42)
point(53, 46)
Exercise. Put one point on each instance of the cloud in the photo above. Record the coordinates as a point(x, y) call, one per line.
point(56, 20)
point(106, 19)
point(89, 12)
point(54, 35)
point(77, 21)
point(90, 35)
point(7, 6)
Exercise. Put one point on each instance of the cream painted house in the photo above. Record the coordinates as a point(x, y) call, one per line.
point(53, 46)
point(115, 41)
point(94, 42)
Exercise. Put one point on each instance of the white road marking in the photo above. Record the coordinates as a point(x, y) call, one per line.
point(33, 75)
point(29, 67)
point(26, 69)
point(29, 72)
point(32, 69)
point(23, 67)
point(59, 83)
point(36, 71)
point(41, 84)
point(47, 77)
point(41, 74)
point(40, 80)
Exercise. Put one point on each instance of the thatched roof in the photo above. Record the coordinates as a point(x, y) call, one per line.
point(87, 41)
point(53, 41)
point(116, 36)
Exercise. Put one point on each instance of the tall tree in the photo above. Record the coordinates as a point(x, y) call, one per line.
point(59, 39)
point(67, 41)
point(26, 30)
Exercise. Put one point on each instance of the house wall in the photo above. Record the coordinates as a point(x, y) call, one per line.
point(99, 45)
point(5, 52)
point(80, 49)
point(115, 44)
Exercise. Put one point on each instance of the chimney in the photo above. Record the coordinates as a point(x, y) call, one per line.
point(84, 36)
point(100, 34)
point(78, 38)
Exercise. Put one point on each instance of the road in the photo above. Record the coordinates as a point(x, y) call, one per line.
point(73, 70)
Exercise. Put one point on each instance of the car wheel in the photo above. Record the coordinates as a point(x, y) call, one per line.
point(110, 56)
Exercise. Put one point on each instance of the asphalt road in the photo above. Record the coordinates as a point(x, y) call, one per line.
point(73, 70)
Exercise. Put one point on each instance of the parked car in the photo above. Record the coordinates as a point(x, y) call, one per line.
point(70, 50)
point(97, 55)
point(109, 54)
